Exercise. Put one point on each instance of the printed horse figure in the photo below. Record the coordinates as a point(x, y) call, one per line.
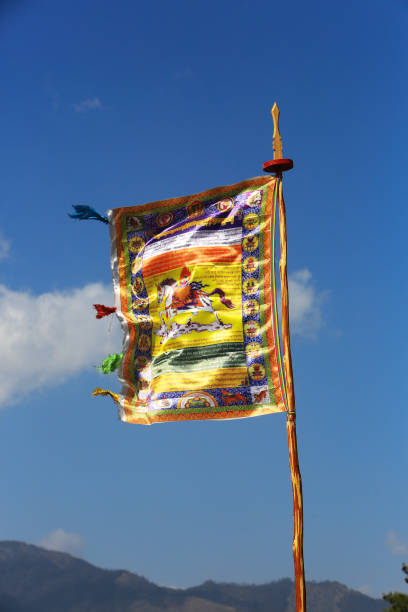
point(187, 297)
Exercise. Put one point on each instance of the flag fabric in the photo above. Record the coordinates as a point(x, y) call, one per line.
point(194, 284)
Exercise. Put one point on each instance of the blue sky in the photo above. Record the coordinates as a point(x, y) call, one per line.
point(122, 103)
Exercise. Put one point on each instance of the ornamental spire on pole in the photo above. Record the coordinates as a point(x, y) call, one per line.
point(277, 140)
point(278, 164)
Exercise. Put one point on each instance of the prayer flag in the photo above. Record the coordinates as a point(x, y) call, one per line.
point(194, 284)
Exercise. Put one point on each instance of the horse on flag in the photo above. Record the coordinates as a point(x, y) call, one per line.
point(185, 296)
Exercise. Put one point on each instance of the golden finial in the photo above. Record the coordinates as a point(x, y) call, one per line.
point(278, 164)
point(277, 140)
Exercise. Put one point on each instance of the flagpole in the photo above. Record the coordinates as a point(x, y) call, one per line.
point(277, 166)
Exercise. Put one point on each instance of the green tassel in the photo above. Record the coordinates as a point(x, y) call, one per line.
point(111, 363)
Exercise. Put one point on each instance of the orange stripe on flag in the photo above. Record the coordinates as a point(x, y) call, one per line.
point(188, 257)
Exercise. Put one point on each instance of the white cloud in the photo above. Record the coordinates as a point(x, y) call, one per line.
point(4, 247)
point(305, 304)
point(397, 547)
point(48, 338)
point(87, 105)
point(366, 590)
point(63, 541)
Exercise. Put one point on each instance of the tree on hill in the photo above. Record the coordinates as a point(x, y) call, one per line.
point(398, 601)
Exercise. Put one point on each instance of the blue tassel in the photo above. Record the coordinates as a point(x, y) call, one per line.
point(86, 212)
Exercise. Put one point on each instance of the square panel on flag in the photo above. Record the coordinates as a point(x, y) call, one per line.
point(195, 292)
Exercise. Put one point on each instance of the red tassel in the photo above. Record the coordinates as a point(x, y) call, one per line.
point(103, 311)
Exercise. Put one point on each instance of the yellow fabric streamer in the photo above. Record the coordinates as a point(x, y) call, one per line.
point(99, 391)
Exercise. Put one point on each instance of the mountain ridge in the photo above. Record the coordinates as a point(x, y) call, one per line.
point(34, 579)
